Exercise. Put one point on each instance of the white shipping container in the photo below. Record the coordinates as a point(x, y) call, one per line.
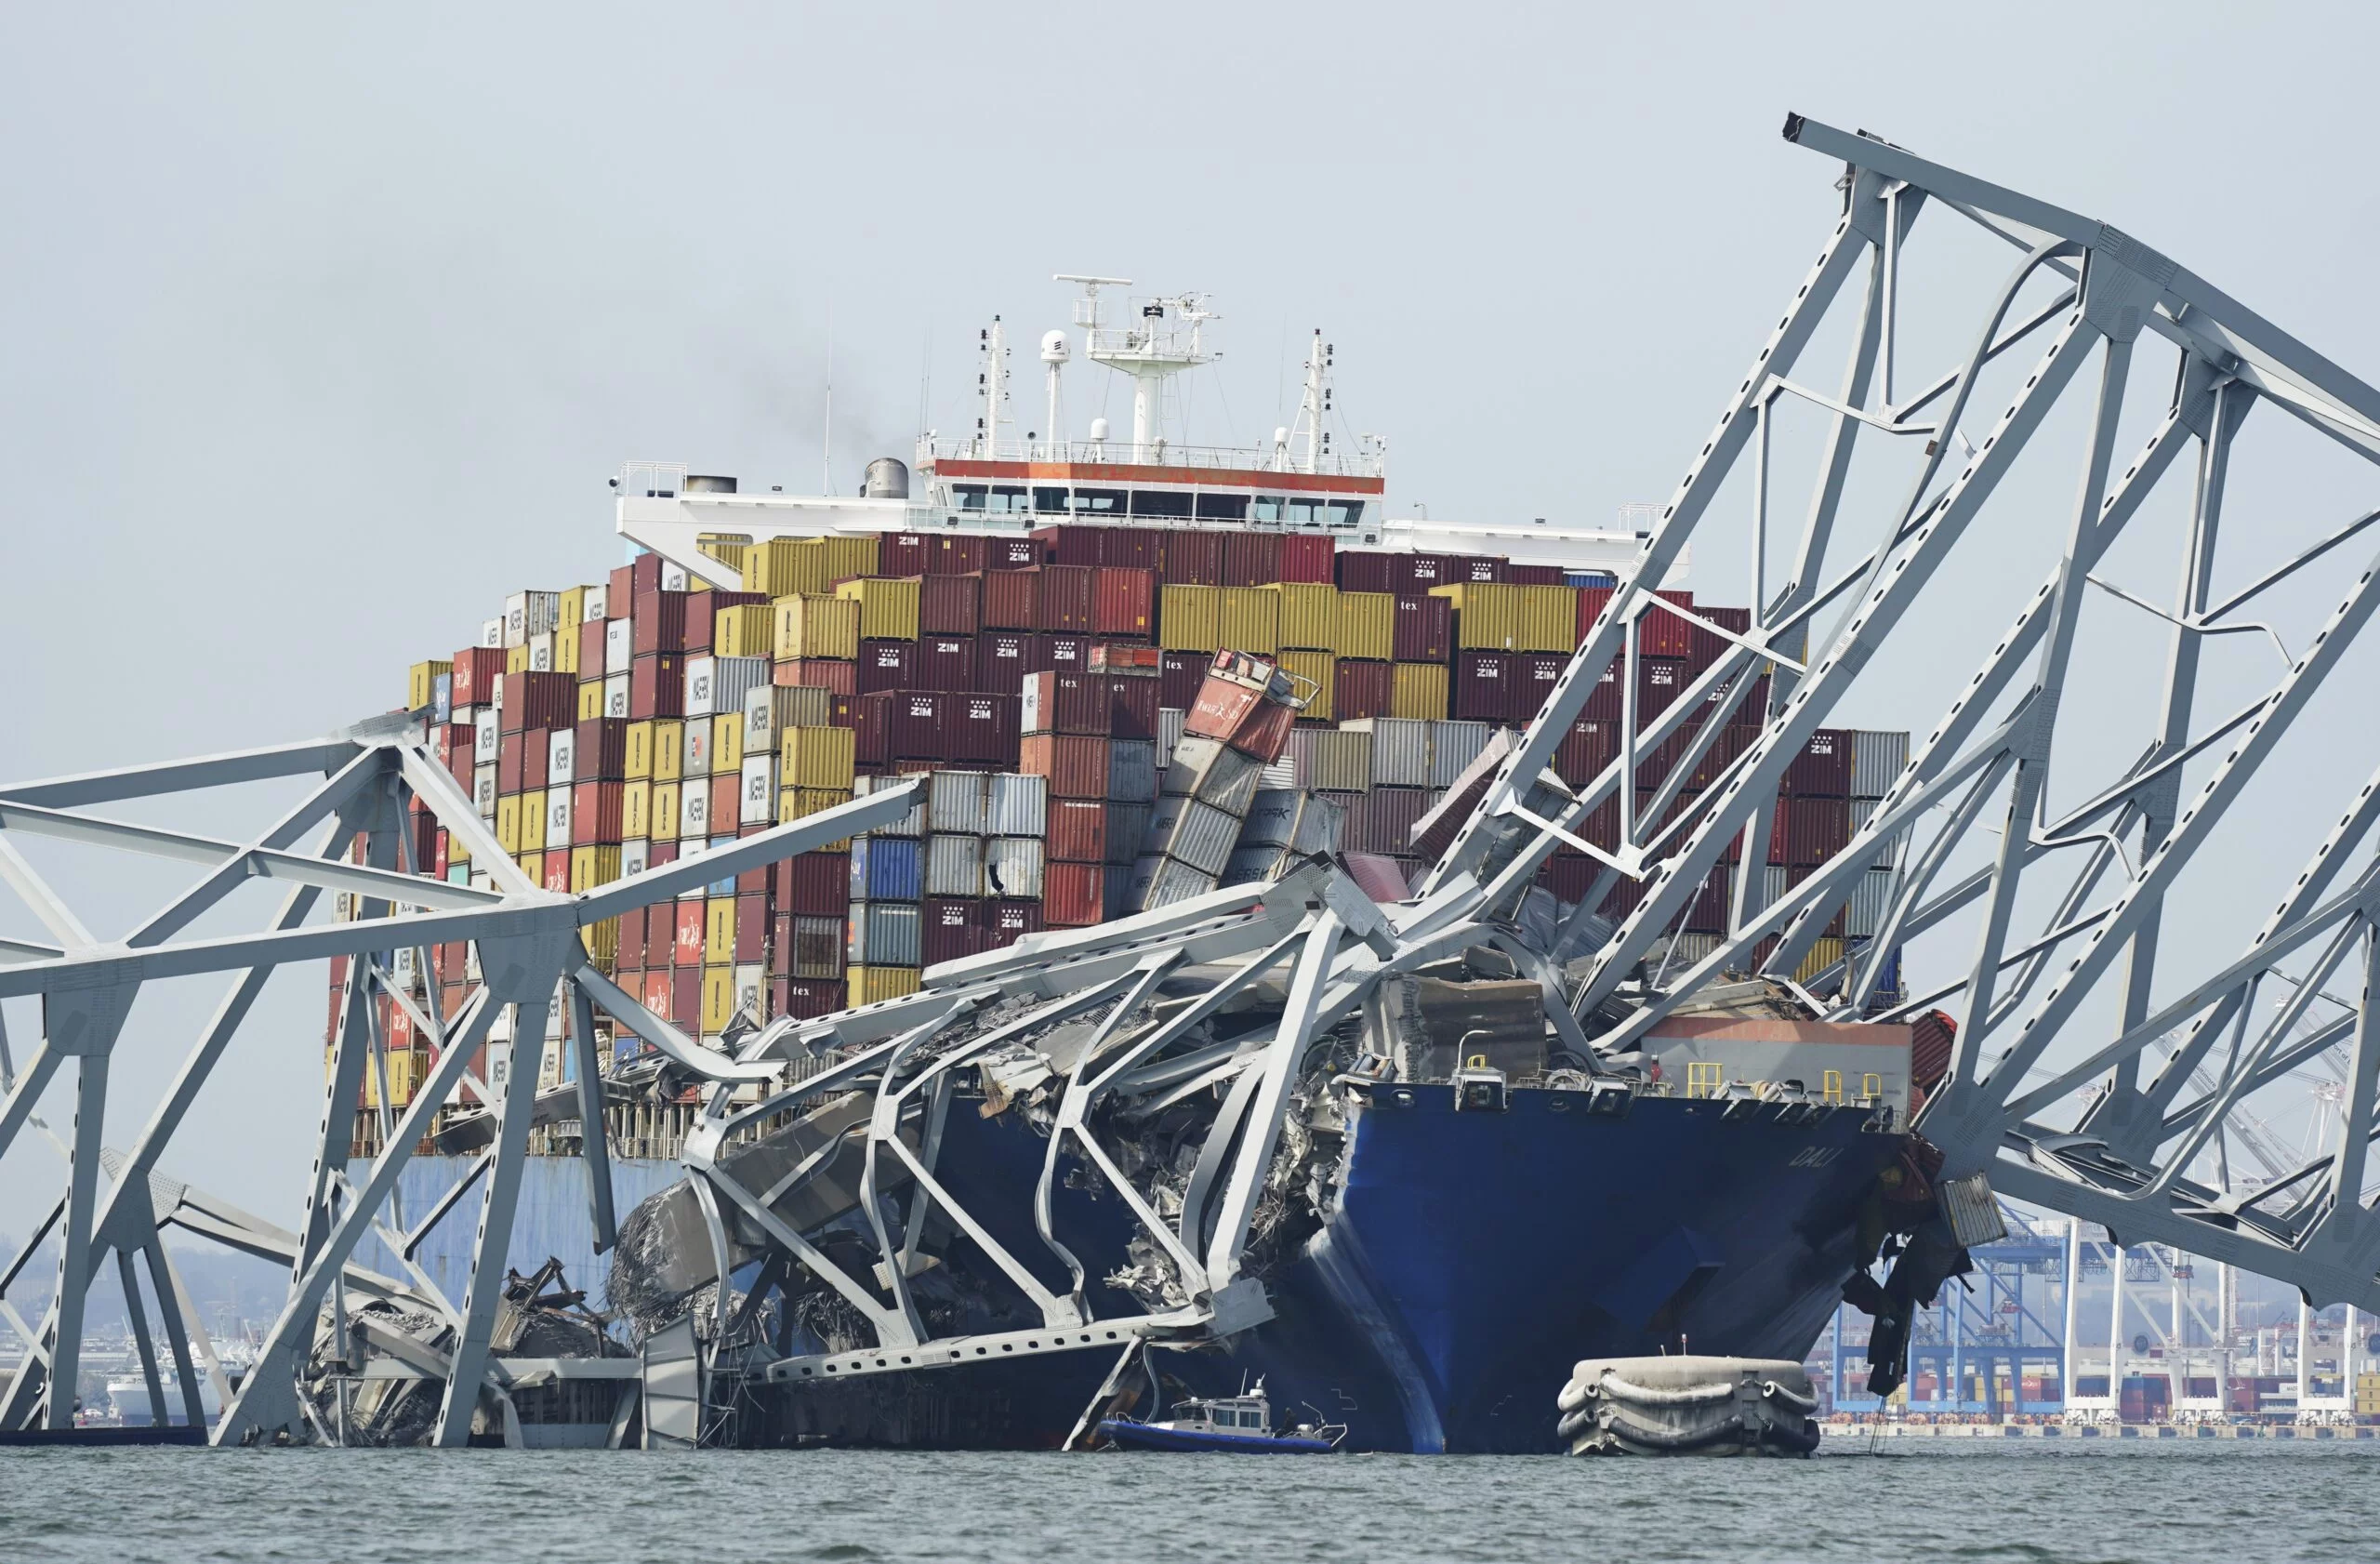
point(702, 686)
point(541, 652)
point(954, 865)
point(619, 647)
point(734, 680)
point(1209, 769)
point(957, 802)
point(557, 817)
point(1336, 760)
point(1170, 723)
point(1131, 770)
point(1272, 818)
point(561, 755)
point(694, 814)
point(760, 794)
point(634, 856)
point(615, 696)
point(484, 790)
point(1453, 746)
point(1876, 761)
point(694, 758)
point(1888, 851)
point(485, 738)
point(1400, 752)
point(1012, 868)
point(1016, 804)
point(911, 824)
point(1253, 864)
point(1198, 834)
point(529, 614)
point(492, 632)
point(1321, 823)
point(673, 577)
point(1280, 773)
point(591, 604)
point(1172, 881)
point(1863, 916)
point(769, 709)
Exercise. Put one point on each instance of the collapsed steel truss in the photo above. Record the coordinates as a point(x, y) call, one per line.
point(2094, 1133)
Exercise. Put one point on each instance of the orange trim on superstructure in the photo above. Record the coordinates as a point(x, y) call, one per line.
point(1120, 472)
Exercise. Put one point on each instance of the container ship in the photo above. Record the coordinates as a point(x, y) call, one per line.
point(1133, 671)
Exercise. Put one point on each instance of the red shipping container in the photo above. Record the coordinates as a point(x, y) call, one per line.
point(1005, 922)
point(1062, 606)
point(808, 998)
point(1194, 559)
point(1708, 645)
point(1073, 543)
point(1603, 702)
point(1074, 896)
point(1066, 654)
point(1660, 681)
point(1707, 913)
point(813, 884)
point(1076, 764)
point(1065, 703)
point(1584, 751)
point(1534, 676)
point(1666, 635)
point(1361, 689)
point(726, 801)
point(600, 751)
point(660, 622)
point(1809, 832)
point(557, 868)
point(1007, 598)
point(1569, 878)
point(837, 674)
point(903, 554)
point(477, 668)
point(950, 604)
point(999, 661)
point(459, 748)
point(1592, 601)
point(1423, 631)
point(1483, 686)
point(536, 750)
point(661, 855)
point(656, 686)
point(1365, 571)
point(1309, 556)
point(686, 940)
point(1534, 575)
point(956, 555)
point(641, 574)
point(751, 928)
point(686, 998)
point(698, 611)
point(983, 729)
point(1823, 768)
point(948, 929)
point(1749, 707)
point(631, 953)
point(1475, 567)
point(1123, 601)
point(1179, 676)
point(1251, 559)
point(1416, 575)
point(590, 650)
point(1132, 700)
point(660, 993)
point(1077, 830)
point(1133, 548)
point(595, 813)
point(887, 664)
point(901, 725)
point(753, 882)
point(538, 700)
point(1010, 554)
point(947, 662)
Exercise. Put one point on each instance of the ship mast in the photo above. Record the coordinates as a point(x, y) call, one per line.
point(1151, 353)
point(992, 385)
point(1315, 403)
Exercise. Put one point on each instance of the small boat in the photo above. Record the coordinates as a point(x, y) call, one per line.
point(1236, 1424)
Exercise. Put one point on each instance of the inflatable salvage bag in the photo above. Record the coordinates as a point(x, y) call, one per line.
point(1689, 1406)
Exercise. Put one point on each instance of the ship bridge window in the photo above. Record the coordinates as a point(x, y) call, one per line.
point(1297, 510)
point(1152, 502)
point(1222, 506)
point(1007, 499)
point(1048, 499)
point(973, 497)
point(1110, 500)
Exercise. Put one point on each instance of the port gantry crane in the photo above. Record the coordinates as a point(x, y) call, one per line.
point(2064, 904)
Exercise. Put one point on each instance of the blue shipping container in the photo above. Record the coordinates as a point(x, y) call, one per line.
point(885, 869)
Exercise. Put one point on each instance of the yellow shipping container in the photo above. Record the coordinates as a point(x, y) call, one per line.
point(421, 682)
point(1548, 619)
point(793, 803)
point(662, 814)
point(570, 608)
point(1418, 689)
point(871, 984)
point(847, 556)
point(508, 821)
point(719, 930)
point(637, 761)
point(1487, 614)
point(1189, 618)
point(516, 659)
point(602, 944)
point(590, 867)
point(818, 758)
point(1307, 615)
point(741, 632)
point(566, 649)
point(769, 567)
point(806, 625)
point(457, 855)
point(590, 699)
point(726, 742)
point(532, 822)
point(636, 810)
point(406, 1072)
point(1317, 669)
point(888, 608)
point(727, 548)
point(719, 999)
point(668, 748)
point(533, 865)
point(1825, 951)
point(1366, 625)
point(1249, 619)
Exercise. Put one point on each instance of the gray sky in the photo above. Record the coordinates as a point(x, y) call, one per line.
point(325, 329)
